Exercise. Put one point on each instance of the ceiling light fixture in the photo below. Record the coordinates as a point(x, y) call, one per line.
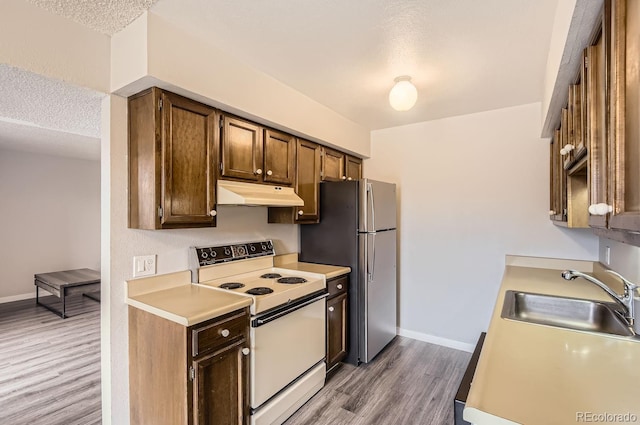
point(404, 94)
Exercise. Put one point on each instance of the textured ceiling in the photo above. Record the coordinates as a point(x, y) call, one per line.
point(40, 111)
point(105, 16)
point(464, 56)
point(26, 138)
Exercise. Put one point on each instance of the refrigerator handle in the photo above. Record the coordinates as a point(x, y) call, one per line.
point(373, 254)
point(373, 208)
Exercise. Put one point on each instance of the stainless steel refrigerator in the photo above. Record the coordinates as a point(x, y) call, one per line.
point(358, 229)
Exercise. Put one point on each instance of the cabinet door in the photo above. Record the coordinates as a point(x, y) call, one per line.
point(332, 165)
point(279, 157)
point(220, 387)
point(558, 180)
point(308, 180)
point(596, 123)
point(241, 149)
point(576, 125)
point(565, 136)
point(189, 155)
point(353, 168)
point(625, 109)
point(336, 329)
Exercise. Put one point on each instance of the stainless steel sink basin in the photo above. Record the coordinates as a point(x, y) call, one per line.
point(568, 313)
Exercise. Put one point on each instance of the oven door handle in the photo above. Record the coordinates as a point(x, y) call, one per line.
point(276, 315)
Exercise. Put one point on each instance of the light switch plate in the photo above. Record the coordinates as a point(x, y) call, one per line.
point(144, 265)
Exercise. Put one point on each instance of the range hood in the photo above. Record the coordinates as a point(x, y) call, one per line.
point(239, 193)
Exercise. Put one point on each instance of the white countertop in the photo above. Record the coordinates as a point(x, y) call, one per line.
point(531, 374)
point(290, 261)
point(173, 297)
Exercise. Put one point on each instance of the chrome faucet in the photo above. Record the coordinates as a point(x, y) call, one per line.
point(626, 300)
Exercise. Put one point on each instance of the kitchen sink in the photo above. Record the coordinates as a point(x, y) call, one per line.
point(569, 313)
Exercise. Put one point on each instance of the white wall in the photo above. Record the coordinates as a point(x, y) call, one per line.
point(49, 218)
point(235, 224)
point(151, 51)
point(472, 189)
point(48, 44)
point(623, 258)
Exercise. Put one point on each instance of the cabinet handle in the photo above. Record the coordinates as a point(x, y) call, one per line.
point(245, 351)
point(600, 209)
point(259, 171)
point(331, 308)
point(552, 212)
point(213, 213)
point(269, 172)
point(344, 177)
point(566, 149)
point(300, 212)
point(349, 179)
point(339, 286)
point(225, 333)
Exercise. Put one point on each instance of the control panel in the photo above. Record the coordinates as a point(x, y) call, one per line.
point(209, 255)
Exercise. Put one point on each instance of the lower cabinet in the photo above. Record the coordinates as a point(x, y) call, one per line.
point(218, 397)
point(336, 321)
point(196, 375)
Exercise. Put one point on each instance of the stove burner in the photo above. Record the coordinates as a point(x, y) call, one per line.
point(291, 280)
point(232, 285)
point(271, 276)
point(260, 290)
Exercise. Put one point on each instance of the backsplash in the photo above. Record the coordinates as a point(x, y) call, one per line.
point(623, 258)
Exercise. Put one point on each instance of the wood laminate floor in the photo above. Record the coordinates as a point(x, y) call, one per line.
point(410, 383)
point(50, 375)
point(50, 367)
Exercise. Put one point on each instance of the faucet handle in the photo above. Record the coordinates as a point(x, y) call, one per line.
point(629, 287)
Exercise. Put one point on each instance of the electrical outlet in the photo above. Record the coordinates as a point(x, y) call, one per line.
point(144, 265)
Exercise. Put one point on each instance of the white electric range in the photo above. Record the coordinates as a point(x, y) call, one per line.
point(288, 324)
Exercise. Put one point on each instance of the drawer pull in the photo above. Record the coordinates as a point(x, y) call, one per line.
point(246, 351)
point(225, 333)
point(331, 308)
point(339, 286)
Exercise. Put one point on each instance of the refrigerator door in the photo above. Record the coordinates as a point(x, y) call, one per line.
point(379, 285)
point(378, 206)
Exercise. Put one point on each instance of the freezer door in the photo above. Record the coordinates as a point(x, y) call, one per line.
point(377, 206)
point(379, 284)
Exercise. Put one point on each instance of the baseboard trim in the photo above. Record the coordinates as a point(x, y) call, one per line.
point(17, 298)
point(450, 343)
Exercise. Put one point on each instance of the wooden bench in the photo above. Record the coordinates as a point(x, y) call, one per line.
point(68, 282)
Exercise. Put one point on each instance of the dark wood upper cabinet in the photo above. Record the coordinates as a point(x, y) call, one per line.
point(308, 180)
point(178, 148)
point(594, 79)
point(577, 127)
point(558, 180)
point(306, 186)
point(624, 111)
point(279, 157)
point(241, 150)
point(333, 165)
point(337, 166)
point(353, 168)
point(172, 152)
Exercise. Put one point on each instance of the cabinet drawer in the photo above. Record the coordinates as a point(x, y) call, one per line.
point(218, 333)
point(338, 285)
